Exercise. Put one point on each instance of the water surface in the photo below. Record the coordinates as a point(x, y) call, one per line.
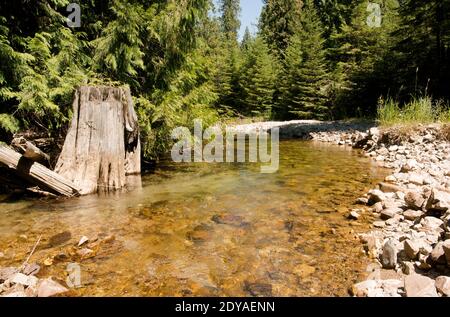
point(207, 229)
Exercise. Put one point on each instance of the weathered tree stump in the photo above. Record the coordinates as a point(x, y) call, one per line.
point(102, 146)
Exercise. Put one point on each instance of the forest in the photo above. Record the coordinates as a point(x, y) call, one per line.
point(182, 59)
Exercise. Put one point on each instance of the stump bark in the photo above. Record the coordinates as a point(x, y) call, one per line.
point(102, 147)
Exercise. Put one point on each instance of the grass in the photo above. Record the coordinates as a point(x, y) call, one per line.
point(418, 110)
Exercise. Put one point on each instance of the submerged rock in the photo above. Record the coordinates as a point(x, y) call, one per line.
point(48, 288)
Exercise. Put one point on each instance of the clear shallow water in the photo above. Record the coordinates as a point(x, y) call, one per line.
point(207, 229)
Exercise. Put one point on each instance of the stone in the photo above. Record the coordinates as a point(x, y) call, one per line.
point(411, 248)
point(354, 215)
point(446, 247)
point(83, 240)
point(416, 179)
point(374, 132)
point(412, 214)
point(414, 200)
point(443, 285)
point(378, 207)
point(7, 273)
point(389, 255)
point(376, 196)
point(31, 269)
point(390, 188)
point(86, 253)
point(25, 280)
point(420, 286)
point(409, 166)
point(362, 289)
point(390, 213)
point(391, 286)
point(362, 201)
point(432, 224)
point(379, 224)
point(408, 268)
point(48, 288)
point(438, 254)
point(390, 179)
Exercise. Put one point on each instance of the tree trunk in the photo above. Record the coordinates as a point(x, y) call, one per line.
point(102, 146)
point(35, 173)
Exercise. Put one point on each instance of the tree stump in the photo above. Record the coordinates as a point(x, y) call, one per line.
point(102, 147)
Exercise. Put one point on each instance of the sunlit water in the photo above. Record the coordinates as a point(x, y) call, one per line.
point(207, 229)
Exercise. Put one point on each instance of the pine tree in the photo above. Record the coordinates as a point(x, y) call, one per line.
point(278, 22)
point(422, 48)
point(362, 59)
point(259, 78)
point(230, 18)
point(303, 90)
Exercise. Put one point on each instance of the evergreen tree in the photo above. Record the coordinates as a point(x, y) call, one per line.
point(362, 59)
point(305, 71)
point(230, 18)
point(259, 78)
point(422, 49)
point(278, 22)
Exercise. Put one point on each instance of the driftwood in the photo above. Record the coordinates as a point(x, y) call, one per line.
point(30, 151)
point(35, 173)
point(102, 146)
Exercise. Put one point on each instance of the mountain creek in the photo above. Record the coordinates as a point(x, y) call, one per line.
point(200, 229)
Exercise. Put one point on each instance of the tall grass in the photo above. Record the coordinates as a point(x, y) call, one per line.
point(418, 110)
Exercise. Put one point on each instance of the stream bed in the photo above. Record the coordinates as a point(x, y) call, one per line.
point(198, 229)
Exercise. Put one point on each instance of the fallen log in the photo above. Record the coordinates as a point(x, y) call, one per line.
point(30, 151)
point(36, 173)
point(102, 147)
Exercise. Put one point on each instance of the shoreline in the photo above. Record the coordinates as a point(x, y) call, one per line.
point(409, 245)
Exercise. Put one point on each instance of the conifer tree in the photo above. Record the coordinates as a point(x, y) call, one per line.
point(303, 89)
point(278, 22)
point(259, 78)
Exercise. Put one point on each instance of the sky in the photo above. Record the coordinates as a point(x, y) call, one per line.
point(250, 11)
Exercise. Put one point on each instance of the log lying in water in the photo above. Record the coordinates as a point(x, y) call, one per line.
point(102, 146)
point(35, 173)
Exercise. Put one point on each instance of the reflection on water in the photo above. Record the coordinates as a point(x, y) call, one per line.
point(207, 229)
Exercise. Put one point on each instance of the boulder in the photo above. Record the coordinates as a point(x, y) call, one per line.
point(412, 214)
point(443, 285)
point(48, 288)
point(414, 200)
point(376, 196)
point(390, 213)
point(412, 249)
point(420, 286)
point(409, 166)
point(438, 254)
point(390, 188)
point(362, 289)
point(389, 255)
point(432, 224)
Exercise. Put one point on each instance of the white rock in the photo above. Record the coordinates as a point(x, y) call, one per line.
point(48, 287)
point(420, 286)
point(83, 240)
point(443, 285)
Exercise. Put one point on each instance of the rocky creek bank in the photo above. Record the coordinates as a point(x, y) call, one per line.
point(411, 236)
